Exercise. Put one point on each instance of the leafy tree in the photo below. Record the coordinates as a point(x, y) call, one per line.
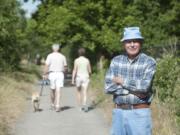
point(11, 26)
point(98, 24)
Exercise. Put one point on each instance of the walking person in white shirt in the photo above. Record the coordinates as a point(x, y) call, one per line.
point(55, 66)
point(80, 76)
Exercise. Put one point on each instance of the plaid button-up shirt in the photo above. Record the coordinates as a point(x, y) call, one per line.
point(137, 75)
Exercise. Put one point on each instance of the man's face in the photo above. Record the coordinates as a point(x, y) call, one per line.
point(132, 47)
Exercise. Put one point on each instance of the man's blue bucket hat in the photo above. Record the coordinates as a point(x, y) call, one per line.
point(131, 33)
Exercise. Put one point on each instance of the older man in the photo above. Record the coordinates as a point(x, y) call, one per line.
point(129, 80)
point(55, 66)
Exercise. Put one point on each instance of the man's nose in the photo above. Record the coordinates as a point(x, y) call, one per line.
point(132, 43)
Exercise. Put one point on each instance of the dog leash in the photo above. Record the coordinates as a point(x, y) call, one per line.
point(44, 82)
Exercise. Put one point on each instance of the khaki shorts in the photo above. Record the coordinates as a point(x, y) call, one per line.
point(82, 81)
point(56, 80)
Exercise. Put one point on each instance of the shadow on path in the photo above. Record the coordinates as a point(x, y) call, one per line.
point(66, 108)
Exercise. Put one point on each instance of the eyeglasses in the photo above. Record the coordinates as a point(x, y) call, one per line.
point(133, 40)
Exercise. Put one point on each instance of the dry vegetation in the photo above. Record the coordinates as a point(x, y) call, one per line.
point(14, 91)
point(164, 119)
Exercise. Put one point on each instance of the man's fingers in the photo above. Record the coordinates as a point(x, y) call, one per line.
point(115, 79)
point(141, 95)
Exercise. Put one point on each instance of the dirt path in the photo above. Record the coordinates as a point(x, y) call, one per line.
point(70, 121)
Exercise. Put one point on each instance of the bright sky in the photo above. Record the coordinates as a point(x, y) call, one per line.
point(29, 7)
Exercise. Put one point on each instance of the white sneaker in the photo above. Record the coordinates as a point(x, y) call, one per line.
point(58, 109)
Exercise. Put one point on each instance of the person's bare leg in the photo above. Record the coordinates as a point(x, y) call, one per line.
point(79, 95)
point(57, 98)
point(84, 97)
point(52, 96)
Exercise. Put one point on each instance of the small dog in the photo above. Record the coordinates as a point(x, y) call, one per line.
point(35, 101)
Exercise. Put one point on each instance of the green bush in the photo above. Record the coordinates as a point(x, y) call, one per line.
point(166, 77)
point(167, 82)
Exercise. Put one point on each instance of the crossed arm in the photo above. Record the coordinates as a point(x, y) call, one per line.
point(116, 84)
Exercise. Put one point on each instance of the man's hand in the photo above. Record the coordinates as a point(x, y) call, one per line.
point(141, 95)
point(138, 94)
point(118, 80)
point(45, 77)
point(65, 69)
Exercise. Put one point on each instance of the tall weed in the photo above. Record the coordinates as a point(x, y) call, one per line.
point(14, 90)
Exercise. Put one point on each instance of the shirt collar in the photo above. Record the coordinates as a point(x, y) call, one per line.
point(133, 60)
